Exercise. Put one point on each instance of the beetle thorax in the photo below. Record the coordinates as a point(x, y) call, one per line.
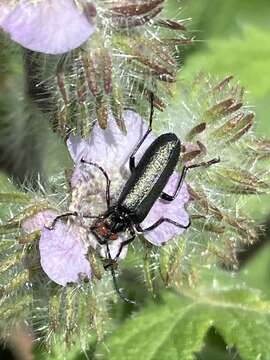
point(118, 220)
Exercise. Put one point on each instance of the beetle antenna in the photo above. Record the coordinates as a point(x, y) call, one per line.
point(108, 181)
point(151, 109)
point(123, 297)
point(116, 287)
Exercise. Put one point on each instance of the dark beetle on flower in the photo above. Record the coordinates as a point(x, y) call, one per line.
point(144, 186)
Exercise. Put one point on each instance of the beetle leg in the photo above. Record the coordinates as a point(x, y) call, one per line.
point(74, 213)
point(169, 197)
point(132, 156)
point(159, 222)
point(59, 217)
point(125, 243)
point(116, 287)
point(108, 181)
point(100, 240)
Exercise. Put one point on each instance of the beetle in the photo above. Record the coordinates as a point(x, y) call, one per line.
point(144, 186)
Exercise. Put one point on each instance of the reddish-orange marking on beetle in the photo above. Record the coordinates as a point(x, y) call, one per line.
point(113, 237)
point(104, 232)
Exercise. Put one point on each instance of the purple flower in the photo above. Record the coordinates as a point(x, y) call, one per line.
point(38, 221)
point(111, 149)
point(62, 254)
point(62, 250)
point(47, 26)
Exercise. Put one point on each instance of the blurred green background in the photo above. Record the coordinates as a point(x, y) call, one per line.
point(233, 39)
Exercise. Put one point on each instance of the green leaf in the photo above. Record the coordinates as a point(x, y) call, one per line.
point(216, 349)
point(256, 271)
point(177, 329)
